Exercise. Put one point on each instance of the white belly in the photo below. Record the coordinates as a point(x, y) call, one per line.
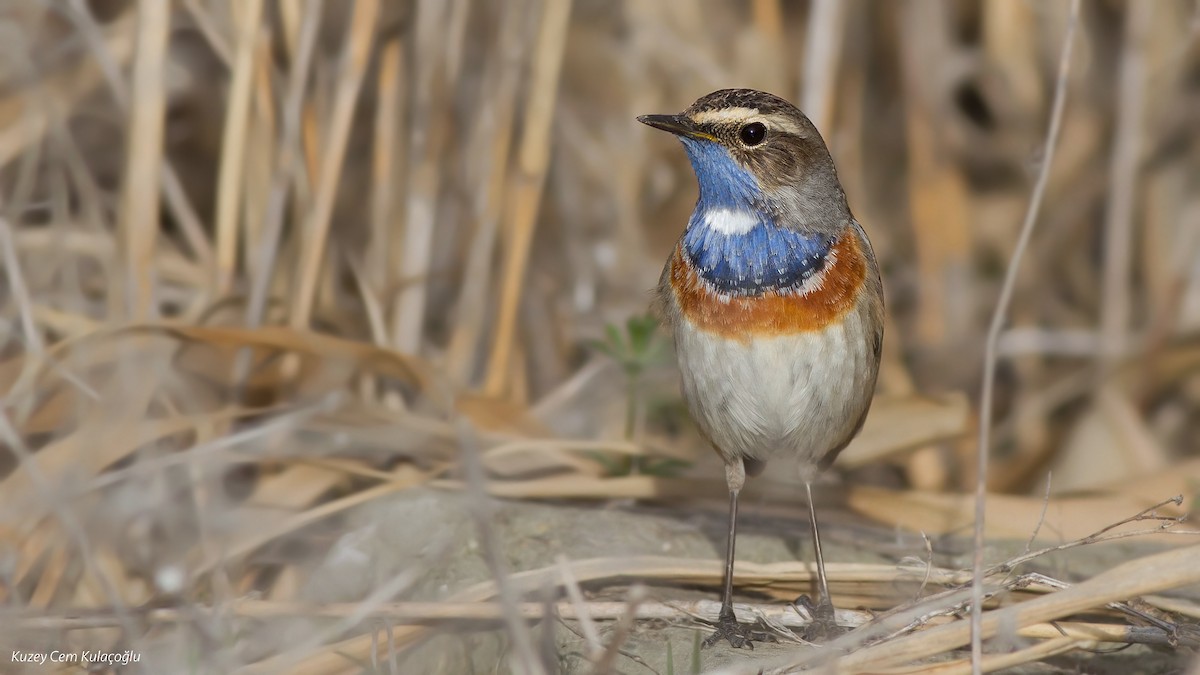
point(796, 397)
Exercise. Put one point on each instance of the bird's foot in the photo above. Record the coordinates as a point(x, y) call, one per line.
point(739, 635)
point(824, 626)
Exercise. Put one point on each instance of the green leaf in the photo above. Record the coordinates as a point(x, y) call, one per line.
point(615, 340)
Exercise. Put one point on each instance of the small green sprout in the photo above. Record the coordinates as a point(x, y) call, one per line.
point(636, 349)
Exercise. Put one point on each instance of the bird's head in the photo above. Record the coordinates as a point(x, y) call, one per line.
point(754, 152)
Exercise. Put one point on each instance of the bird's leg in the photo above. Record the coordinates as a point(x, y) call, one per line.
point(728, 627)
point(824, 624)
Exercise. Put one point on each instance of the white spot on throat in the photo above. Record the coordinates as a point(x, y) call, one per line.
point(730, 221)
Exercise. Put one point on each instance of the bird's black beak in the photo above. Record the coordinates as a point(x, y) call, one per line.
point(676, 124)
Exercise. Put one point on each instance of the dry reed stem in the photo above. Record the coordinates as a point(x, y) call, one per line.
point(495, 131)
point(291, 15)
point(261, 155)
point(822, 58)
point(533, 158)
point(428, 136)
point(383, 172)
point(139, 221)
point(993, 335)
point(234, 149)
point(1055, 645)
point(287, 165)
point(1116, 290)
point(782, 580)
point(432, 128)
point(20, 291)
point(353, 65)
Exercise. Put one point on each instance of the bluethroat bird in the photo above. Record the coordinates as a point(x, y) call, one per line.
point(776, 305)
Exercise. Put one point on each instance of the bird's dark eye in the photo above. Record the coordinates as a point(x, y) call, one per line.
point(754, 133)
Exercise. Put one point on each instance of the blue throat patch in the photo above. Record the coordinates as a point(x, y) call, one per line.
point(765, 257)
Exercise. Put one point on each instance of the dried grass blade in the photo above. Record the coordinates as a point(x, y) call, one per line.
point(356, 51)
point(234, 149)
point(522, 206)
point(139, 222)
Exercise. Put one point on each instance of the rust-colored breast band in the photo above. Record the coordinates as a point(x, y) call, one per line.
point(823, 302)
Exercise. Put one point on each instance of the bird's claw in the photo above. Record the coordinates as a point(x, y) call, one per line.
point(824, 626)
point(739, 635)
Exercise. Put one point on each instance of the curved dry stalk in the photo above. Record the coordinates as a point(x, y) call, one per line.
point(999, 316)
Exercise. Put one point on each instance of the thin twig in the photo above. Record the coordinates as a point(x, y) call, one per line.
point(993, 337)
point(481, 507)
point(590, 635)
point(1100, 535)
point(928, 565)
point(625, 624)
point(1041, 516)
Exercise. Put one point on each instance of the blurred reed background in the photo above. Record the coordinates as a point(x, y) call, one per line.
point(266, 263)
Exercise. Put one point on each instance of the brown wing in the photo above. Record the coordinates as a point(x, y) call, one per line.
point(875, 317)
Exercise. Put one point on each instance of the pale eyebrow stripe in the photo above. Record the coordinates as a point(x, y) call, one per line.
point(723, 115)
point(740, 114)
